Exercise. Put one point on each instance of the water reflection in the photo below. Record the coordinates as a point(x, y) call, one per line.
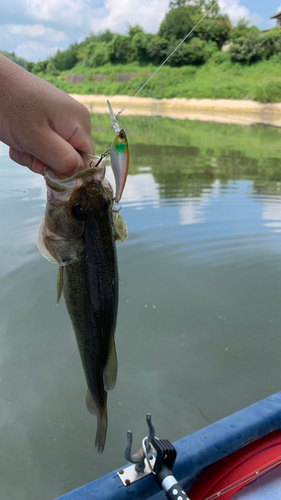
point(199, 316)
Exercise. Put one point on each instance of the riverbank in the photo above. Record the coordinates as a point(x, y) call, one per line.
point(245, 112)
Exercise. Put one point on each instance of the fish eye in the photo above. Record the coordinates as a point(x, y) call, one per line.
point(77, 211)
point(122, 135)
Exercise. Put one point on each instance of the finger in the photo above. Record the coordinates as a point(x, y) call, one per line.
point(24, 159)
point(52, 150)
point(81, 141)
point(27, 160)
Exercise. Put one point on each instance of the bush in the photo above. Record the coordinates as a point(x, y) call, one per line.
point(157, 49)
point(220, 57)
point(271, 42)
point(51, 69)
point(39, 67)
point(270, 92)
point(64, 60)
point(246, 49)
point(242, 29)
point(193, 52)
point(100, 55)
point(119, 49)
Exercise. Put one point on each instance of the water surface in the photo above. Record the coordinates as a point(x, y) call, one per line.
point(198, 333)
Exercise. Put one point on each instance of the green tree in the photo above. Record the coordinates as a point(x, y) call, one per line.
point(66, 59)
point(100, 55)
point(40, 67)
point(119, 49)
point(12, 56)
point(271, 42)
point(247, 49)
point(157, 49)
point(178, 22)
point(51, 68)
point(189, 53)
point(242, 29)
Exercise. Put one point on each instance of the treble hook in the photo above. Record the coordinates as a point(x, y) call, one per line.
point(139, 457)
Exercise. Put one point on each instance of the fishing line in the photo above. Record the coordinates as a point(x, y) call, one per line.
point(164, 62)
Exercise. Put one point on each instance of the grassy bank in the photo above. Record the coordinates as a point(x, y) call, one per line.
point(219, 78)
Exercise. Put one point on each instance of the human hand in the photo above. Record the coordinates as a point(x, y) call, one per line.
point(41, 124)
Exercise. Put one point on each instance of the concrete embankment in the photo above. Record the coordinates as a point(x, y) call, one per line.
point(243, 112)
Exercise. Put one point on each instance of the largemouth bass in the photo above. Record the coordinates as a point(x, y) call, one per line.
point(78, 233)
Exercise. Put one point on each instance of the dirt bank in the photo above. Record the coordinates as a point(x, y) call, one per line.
point(220, 110)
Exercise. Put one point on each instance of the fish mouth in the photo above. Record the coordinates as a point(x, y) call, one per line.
point(62, 188)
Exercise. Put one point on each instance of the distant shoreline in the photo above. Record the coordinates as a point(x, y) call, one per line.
point(243, 112)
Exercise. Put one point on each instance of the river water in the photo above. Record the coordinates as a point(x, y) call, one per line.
point(198, 333)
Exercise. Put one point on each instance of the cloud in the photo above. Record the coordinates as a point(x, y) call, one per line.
point(237, 11)
point(36, 31)
point(66, 12)
point(148, 13)
point(35, 51)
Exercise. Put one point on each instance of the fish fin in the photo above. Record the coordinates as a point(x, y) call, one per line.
point(91, 405)
point(101, 430)
point(41, 243)
point(120, 227)
point(110, 370)
point(59, 283)
point(101, 413)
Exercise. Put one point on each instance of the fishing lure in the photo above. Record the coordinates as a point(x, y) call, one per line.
point(119, 155)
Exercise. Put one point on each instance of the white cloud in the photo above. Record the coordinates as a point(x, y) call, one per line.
point(148, 13)
point(36, 31)
point(67, 12)
point(34, 51)
point(237, 11)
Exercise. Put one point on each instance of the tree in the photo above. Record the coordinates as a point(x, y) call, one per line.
point(246, 49)
point(157, 49)
point(66, 59)
point(178, 22)
point(242, 29)
point(271, 42)
point(189, 53)
point(119, 49)
point(100, 55)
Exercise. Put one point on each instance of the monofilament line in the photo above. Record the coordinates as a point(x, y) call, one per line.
point(164, 62)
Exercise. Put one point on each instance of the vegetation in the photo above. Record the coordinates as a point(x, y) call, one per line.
point(110, 63)
point(11, 55)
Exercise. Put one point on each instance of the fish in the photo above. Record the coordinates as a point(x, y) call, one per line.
point(119, 155)
point(78, 232)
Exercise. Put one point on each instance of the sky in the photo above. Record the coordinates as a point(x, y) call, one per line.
point(36, 29)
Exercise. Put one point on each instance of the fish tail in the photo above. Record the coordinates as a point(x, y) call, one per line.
point(101, 430)
point(101, 414)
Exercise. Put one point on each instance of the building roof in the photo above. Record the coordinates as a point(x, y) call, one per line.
point(276, 15)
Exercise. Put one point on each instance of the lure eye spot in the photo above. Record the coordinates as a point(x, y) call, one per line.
point(77, 211)
point(122, 135)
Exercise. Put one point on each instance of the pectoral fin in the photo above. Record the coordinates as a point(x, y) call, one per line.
point(59, 283)
point(110, 370)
